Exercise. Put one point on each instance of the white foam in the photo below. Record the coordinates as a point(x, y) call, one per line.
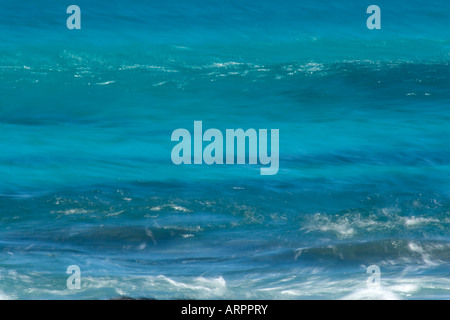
point(4, 296)
point(426, 257)
point(105, 83)
point(372, 294)
point(179, 208)
point(225, 64)
point(406, 288)
point(73, 211)
point(199, 287)
point(413, 221)
point(311, 67)
point(342, 227)
point(172, 206)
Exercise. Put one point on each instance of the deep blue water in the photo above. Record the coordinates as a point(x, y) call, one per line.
point(86, 176)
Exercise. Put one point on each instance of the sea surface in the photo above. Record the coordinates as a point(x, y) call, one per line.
point(86, 176)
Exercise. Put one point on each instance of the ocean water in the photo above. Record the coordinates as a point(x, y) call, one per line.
point(87, 179)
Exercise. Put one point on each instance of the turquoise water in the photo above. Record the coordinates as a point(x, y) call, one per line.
point(87, 179)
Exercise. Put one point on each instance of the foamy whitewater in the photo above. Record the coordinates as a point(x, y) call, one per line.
point(364, 168)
